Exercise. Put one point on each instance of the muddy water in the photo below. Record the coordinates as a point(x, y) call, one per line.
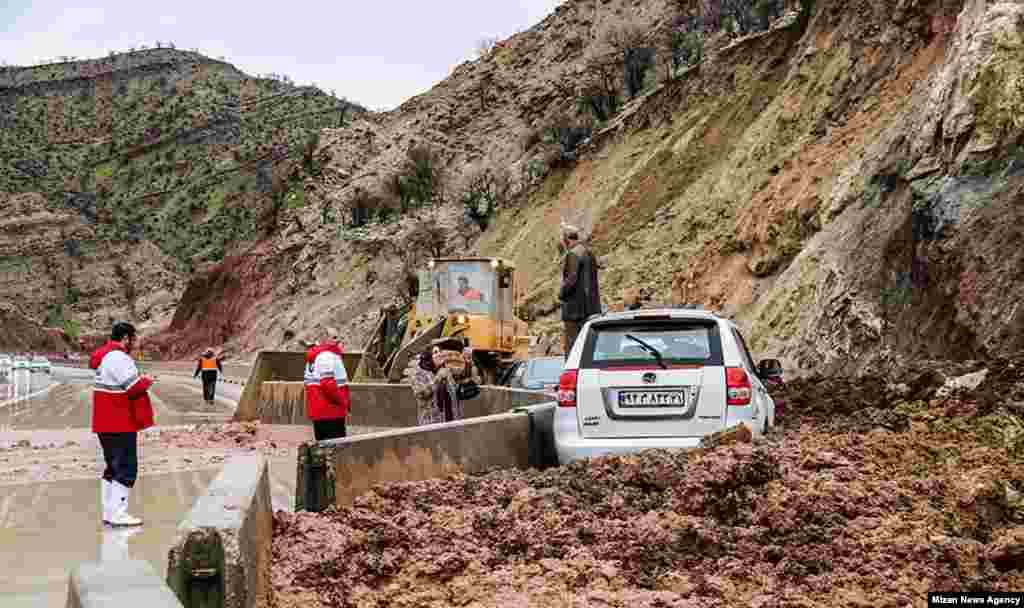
point(50, 465)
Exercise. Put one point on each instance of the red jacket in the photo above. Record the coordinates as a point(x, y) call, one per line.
point(327, 395)
point(120, 401)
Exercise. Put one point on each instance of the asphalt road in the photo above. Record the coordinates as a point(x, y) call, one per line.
point(63, 400)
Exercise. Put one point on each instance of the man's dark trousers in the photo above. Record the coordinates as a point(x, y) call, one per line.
point(209, 383)
point(332, 428)
point(120, 452)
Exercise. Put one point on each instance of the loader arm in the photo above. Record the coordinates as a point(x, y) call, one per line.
point(395, 366)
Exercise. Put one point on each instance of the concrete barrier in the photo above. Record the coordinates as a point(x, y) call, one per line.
point(337, 471)
point(127, 584)
point(382, 405)
point(221, 556)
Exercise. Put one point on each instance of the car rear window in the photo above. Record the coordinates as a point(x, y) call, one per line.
point(679, 342)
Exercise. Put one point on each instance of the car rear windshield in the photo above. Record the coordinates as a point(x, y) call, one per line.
point(678, 342)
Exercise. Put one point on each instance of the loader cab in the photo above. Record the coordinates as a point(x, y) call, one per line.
point(477, 298)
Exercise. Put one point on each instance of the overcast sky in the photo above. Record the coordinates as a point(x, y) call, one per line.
point(375, 52)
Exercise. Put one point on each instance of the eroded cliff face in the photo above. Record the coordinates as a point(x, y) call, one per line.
point(851, 193)
point(55, 273)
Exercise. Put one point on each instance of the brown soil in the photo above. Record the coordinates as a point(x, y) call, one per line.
point(872, 492)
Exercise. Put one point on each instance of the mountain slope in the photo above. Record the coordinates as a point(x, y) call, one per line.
point(161, 155)
point(846, 185)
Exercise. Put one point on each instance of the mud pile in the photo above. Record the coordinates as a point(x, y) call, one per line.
point(249, 435)
point(871, 492)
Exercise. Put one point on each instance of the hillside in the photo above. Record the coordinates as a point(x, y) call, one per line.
point(843, 178)
point(846, 184)
point(121, 176)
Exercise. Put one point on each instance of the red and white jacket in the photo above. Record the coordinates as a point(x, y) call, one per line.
point(120, 402)
point(327, 393)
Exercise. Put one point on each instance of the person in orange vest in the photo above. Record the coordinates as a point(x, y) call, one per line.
point(327, 392)
point(120, 409)
point(209, 366)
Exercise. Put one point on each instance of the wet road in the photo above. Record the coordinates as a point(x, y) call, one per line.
point(67, 401)
point(49, 526)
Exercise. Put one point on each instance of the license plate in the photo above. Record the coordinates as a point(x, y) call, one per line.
point(666, 398)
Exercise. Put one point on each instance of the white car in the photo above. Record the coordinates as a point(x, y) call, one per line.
point(20, 363)
point(658, 378)
point(40, 364)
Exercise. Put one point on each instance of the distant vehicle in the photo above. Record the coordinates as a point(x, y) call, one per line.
point(538, 374)
point(20, 363)
point(658, 378)
point(40, 364)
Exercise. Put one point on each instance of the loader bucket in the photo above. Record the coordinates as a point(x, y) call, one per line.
point(280, 366)
point(400, 360)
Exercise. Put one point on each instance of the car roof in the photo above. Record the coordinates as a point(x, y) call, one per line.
point(675, 313)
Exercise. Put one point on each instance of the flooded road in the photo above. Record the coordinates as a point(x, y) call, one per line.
point(50, 465)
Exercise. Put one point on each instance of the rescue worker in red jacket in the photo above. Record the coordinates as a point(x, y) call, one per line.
point(327, 392)
point(120, 409)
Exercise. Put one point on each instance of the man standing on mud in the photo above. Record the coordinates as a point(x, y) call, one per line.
point(327, 393)
point(120, 409)
point(579, 290)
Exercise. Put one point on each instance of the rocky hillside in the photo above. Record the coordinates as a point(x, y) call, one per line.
point(846, 184)
point(843, 178)
point(121, 176)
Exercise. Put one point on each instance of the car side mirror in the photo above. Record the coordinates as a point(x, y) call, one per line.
point(769, 368)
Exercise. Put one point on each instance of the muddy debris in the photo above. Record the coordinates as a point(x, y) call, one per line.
point(246, 435)
point(872, 491)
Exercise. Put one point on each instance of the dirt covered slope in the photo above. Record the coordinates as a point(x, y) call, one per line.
point(850, 191)
point(871, 493)
point(846, 184)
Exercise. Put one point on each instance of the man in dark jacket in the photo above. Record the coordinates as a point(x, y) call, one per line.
point(579, 291)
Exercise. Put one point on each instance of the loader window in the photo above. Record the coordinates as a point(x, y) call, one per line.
point(470, 288)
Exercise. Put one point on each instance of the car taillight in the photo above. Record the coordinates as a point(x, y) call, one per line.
point(737, 386)
point(567, 389)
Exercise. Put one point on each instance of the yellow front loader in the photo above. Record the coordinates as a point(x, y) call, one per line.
point(473, 299)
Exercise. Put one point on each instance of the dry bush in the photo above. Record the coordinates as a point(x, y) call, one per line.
point(484, 189)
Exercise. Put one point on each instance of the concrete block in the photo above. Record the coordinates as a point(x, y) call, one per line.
point(382, 405)
point(221, 556)
point(118, 584)
point(355, 464)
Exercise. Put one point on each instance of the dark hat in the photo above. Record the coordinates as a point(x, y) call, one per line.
point(122, 330)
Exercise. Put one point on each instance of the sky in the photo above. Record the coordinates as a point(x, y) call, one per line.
point(378, 53)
